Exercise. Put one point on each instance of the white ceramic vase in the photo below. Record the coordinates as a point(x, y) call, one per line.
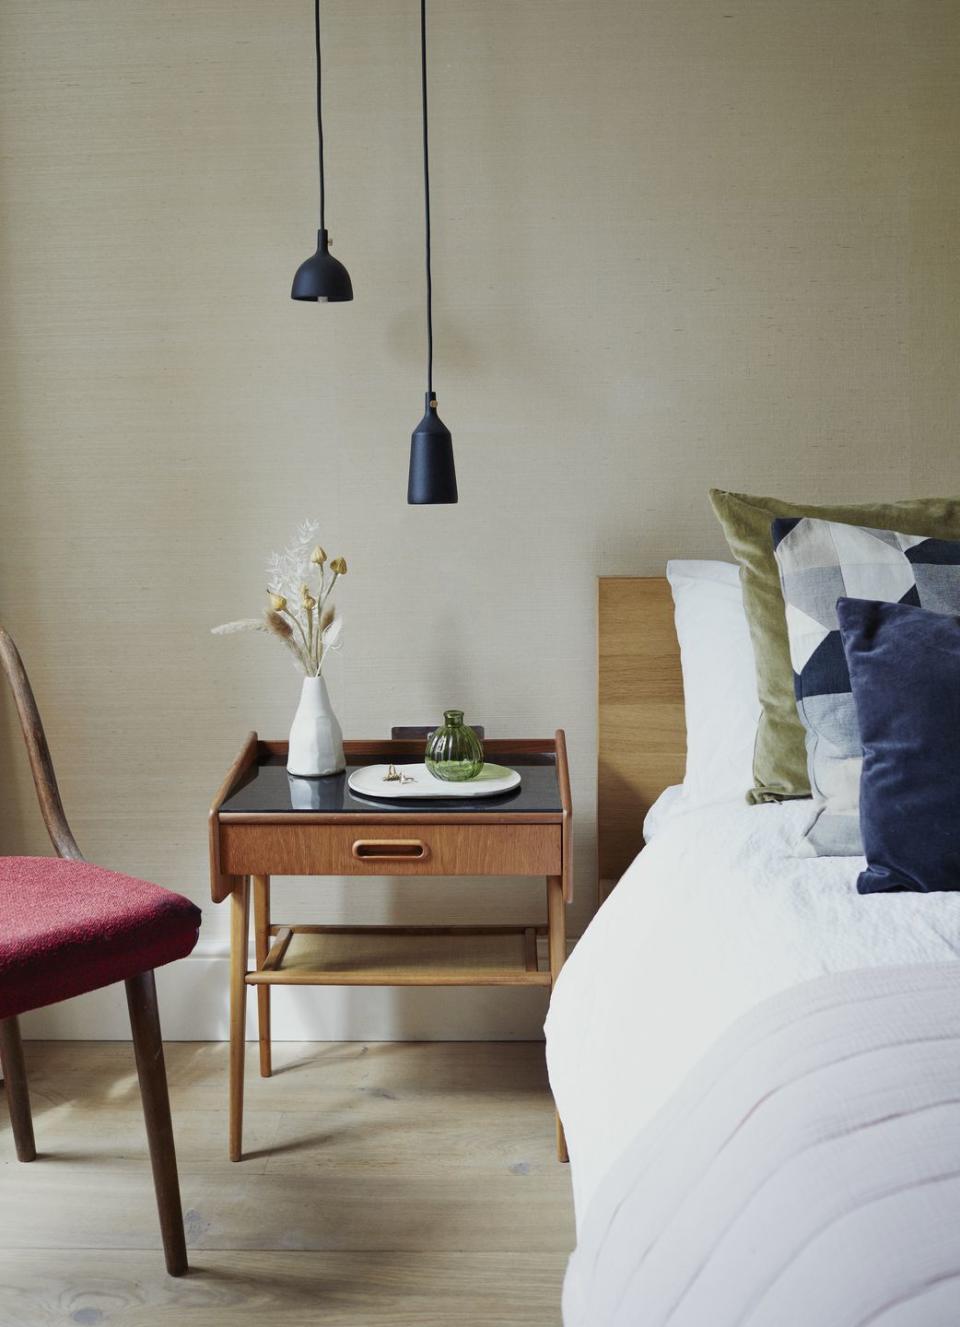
point(316, 739)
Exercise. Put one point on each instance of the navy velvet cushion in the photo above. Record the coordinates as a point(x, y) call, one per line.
point(904, 667)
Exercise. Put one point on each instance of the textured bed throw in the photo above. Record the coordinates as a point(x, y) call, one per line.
point(807, 1173)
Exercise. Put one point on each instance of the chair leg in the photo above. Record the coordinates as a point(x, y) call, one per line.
point(18, 1094)
point(148, 1049)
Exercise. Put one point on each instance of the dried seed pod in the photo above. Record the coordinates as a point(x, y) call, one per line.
point(278, 625)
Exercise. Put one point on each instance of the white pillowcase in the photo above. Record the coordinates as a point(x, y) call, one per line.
point(719, 691)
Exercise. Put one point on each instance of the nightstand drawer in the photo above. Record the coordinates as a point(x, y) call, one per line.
point(403, 848)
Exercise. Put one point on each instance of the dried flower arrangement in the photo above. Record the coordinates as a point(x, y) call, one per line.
point(301, 575)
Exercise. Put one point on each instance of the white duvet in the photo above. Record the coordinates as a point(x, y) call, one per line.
point(716, 914)
point(806, 1174)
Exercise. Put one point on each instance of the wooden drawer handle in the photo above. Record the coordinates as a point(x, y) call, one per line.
point(389, 850)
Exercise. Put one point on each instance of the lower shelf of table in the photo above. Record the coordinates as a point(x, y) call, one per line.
point(403, 956)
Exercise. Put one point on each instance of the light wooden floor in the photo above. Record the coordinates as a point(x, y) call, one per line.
point(387, 1183)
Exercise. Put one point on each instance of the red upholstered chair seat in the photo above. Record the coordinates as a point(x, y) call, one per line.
point(68, 926)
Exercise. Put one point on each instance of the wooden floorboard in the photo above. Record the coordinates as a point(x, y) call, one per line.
point(386, 1183)
point(286, 1289)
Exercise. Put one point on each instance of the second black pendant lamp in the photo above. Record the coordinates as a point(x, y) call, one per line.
point(433, 477)
point(321, 278)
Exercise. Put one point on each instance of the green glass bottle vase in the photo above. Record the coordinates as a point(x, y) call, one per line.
point(454, 751)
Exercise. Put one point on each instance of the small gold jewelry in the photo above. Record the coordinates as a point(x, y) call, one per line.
point(392, 776)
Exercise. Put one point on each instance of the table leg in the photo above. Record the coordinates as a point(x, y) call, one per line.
point(557, 945)
point(239, 939)
point(261, 935)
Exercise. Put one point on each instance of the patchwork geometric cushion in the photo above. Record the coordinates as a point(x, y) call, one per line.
point(821, 562)
point(67, 927)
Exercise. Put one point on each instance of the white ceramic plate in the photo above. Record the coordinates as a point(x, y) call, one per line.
point(492, 779)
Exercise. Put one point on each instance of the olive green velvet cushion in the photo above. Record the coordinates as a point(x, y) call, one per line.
point(780, 757)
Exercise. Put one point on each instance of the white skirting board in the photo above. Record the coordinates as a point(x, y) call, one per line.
point(194, 998)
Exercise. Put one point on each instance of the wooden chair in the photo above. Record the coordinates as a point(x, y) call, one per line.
point(66, 927)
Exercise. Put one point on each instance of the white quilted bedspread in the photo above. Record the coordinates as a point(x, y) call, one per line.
point(806, 1173)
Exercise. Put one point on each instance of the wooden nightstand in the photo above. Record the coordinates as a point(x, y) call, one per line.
point(263, 822)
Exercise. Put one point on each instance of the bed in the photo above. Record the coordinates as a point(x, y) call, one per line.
point(717, 922)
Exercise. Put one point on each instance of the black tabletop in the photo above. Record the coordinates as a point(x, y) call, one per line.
point(268, 788)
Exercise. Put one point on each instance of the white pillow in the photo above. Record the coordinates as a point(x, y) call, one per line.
point(719, 690)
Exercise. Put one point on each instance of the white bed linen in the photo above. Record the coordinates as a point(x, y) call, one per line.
point(804, 1175)
point(719, 685)
point(716, 914)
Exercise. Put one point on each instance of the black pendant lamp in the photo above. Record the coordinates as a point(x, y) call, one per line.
point(321, 278)
point(433, 478)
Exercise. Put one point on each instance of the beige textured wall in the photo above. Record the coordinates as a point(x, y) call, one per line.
point(678, 242)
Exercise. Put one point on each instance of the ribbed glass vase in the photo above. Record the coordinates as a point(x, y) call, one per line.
point(454, 751)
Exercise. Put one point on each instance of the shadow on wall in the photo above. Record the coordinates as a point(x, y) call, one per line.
point(19, 833)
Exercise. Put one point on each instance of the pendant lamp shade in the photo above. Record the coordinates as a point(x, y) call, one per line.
point(321, 278)
point(432, 477)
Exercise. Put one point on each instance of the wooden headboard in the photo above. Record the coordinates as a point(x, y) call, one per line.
point(641, 730)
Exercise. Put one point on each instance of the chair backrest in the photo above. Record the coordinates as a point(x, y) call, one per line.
point(44, 778)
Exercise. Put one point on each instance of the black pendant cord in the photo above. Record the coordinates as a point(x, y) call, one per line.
point(316, 33)
point(321, 278)
point(432, 477)
point(426, 190)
